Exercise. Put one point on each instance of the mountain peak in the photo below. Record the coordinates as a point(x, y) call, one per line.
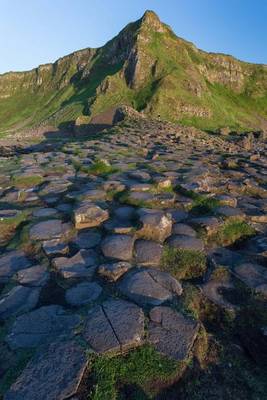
point(151, 19)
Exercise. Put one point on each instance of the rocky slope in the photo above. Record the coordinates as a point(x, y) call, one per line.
point(133, 266)
point(146, 66)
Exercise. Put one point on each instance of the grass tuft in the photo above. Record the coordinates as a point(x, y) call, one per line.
point(233, 230)
point(137, 368)
point(183, 263)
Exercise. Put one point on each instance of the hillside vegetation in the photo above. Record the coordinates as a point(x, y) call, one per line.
point(146, 66)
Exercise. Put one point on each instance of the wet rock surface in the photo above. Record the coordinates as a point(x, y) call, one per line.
point(81, 252)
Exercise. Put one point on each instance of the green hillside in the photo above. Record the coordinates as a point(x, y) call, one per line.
point(147, 67)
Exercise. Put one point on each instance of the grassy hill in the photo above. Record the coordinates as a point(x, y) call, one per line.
point(146, 66)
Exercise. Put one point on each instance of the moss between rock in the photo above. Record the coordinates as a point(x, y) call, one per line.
point(183, 263)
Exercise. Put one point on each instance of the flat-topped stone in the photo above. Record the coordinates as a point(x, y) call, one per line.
point(81, 265)
point(45, 212)
point(114, 327)
point(112, 272)
point(183, 229)
point(18, 300)
point(186, 242)
point(12, 262)
point(87, 239)
point(213, 291)
point(141, 176)
point(51, 229)
point(156, 225)
point(41, 326)
point(55, 372)
point(253, 275)
point(89, 215)
point(118, 246)
point(55, 247)
point(171, 333)
point(83, 293)
point(149, 286)
point(33, 276)
point(148, 252)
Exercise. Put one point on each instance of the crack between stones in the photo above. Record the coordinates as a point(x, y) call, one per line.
point(113, 330)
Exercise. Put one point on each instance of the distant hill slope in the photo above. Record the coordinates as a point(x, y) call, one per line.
point(146, 66)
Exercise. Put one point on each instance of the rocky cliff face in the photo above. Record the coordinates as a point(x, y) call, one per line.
point(147, 67)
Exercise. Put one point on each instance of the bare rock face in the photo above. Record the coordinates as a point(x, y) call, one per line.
point(171, 333)
point(115, 326)
point(54, 373)
point(89, 215)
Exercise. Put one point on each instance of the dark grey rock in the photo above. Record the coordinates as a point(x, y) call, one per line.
point(115, 326)
point(83, 293)
point(33, 276)
point(45, 212)
point(41, 326)
point(55, 247)
point(53, 373)
point(171, 333)
point(148, 253)
point(114, 271)
point(81, 265)
point(89, 215)
point(18, 300)
point(183, 229)
point(156, 225)
point(148, 286)
point(186, 242)
point(12, 262)
point(51, 229)
point(118, 246)
point(88, 239)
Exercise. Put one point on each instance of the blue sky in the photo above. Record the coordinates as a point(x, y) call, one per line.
point(34, 32)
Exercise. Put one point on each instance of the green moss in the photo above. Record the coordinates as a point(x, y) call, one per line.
point(27, 181)
point(99, 168)
point(138, 368)
point(201, 204)
point(233, 230)
point(183, 263)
